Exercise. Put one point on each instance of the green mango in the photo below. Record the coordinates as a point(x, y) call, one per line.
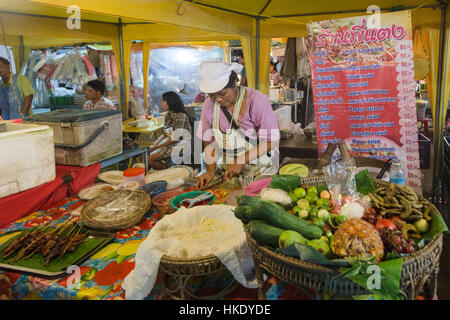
point(321, 246)
point(288, 237)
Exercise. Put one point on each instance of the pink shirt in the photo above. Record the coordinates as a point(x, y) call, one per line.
point(259, 117)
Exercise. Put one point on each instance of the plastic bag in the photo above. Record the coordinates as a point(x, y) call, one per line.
point(340, 178)
point(137, 107)
point(288, 128)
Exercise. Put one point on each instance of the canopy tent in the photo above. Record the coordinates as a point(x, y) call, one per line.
point(288, 18)
point(253, 22)
point(117, 23)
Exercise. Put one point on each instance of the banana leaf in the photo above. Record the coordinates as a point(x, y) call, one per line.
point(358, 271)
point(285, 182)
point(309, 254)
point(381, 279)
point(364, 182)
point(438, 226)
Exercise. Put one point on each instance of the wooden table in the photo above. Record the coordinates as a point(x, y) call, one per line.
point(127, 127)
point(299, 146)
point(144, 136)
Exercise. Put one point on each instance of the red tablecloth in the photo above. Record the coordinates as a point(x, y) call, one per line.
point(69, 180)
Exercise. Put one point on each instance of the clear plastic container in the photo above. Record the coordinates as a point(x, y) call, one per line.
point(134, 174)
point(397, 175)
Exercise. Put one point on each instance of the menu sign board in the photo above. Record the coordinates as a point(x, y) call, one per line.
point(364, 88)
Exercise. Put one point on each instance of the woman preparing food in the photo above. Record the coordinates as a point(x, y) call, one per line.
point(241, 123)
point(176, 119)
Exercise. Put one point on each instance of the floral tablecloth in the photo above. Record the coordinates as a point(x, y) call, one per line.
point(102, 275)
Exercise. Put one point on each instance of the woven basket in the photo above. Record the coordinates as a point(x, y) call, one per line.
point(419, 269)
point(162, 201)
point(182, 270)
point(131, 218)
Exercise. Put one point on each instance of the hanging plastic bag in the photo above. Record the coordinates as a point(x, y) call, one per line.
point(89, 66)
point(114, 75)
point(108, 79)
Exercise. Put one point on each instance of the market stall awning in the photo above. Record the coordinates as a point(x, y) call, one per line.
point(160, 11)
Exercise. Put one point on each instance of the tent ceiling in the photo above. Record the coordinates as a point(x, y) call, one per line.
point(281, 8)
point(29, 8)
point(168, 12)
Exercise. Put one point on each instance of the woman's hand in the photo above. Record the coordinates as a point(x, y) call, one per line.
point(204, 179)
point(233, 170)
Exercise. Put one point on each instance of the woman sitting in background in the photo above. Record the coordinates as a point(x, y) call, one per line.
point(176, 118)
point(94, 95)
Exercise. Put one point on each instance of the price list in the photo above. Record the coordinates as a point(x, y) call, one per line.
point(364, 91)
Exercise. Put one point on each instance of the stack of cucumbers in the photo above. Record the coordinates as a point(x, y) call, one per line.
point(266, 221)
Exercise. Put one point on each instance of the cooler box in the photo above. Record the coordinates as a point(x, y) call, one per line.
point(83, 137)
point(27, 157)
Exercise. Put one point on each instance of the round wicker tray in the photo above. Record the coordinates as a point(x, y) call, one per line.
point(123, 221)
point(419, 269)
point(180, 271)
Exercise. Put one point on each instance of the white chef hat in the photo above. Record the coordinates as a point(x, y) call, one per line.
point(214, 75)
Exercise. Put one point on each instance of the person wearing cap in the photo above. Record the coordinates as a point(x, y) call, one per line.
point(16, 93)
point(241, 123)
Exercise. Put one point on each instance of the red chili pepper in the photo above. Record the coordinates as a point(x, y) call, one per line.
point(385, 223)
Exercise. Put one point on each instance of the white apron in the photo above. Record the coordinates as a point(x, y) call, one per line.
point(234, 144)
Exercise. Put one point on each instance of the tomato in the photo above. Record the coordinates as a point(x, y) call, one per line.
point(385, 223)
point(325, 194)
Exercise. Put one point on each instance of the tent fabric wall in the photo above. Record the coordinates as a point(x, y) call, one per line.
point(249, 51)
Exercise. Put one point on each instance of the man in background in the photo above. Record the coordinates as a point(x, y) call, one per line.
point(16, 93)
point(243, 73)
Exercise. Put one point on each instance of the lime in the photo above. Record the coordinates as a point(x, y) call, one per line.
point(322, 202)
point(312, 190)
point(303, 204)
point(312, 198)
point(300, 193)
point(292, 196)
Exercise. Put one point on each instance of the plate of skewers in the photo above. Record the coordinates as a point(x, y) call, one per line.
point(46, 251)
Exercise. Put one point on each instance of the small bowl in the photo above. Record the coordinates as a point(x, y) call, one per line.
point(189, 195)
point(162, 205)
point(154, 188)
